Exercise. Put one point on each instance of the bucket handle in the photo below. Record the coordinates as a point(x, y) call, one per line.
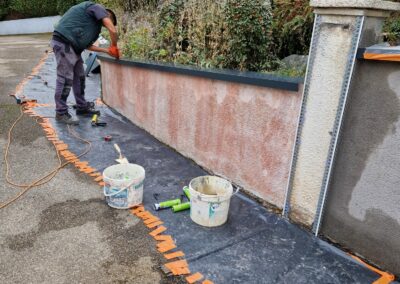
point(124, 188)
point(236, 192)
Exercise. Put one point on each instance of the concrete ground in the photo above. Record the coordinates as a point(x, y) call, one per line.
point(61, 232)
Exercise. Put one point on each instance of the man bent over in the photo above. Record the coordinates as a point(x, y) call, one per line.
point(77, 30)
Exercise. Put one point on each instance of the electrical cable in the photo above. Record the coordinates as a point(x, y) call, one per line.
point(45, 179)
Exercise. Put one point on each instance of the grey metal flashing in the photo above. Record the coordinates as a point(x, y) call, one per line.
point(379, 49)
point(360, 53)
point(310, 65)
point(250, 78)
point(338, 123)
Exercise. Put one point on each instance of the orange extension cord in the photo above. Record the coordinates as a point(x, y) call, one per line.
point(43, 180)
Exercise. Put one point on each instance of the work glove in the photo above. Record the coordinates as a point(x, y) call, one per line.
point(114, 51)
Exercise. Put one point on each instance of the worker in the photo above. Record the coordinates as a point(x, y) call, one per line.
point(77, 30)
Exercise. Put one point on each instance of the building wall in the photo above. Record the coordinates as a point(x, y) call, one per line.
point(243, 132)
point(29, 26)
point(363, 205)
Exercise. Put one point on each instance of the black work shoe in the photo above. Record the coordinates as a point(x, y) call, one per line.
point(67, 119)
point(88, 111)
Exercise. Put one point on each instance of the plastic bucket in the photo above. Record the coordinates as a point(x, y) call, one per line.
point(209, 201)
point(123, 187)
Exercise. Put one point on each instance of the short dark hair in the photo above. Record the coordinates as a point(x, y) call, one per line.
point(112, 16)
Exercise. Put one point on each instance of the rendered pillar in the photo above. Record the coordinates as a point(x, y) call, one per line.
point(340, 28)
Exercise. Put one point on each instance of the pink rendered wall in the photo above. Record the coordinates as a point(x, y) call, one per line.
point(242, 132)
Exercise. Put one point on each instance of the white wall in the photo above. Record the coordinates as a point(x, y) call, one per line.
point(29, 26)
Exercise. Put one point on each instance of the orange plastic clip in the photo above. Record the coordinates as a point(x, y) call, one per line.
point(194, 278)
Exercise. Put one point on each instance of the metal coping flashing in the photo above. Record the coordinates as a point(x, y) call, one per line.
point(382, 53)
point(250, 78)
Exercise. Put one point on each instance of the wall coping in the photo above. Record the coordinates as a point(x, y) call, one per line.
point(361, 4)
point(250, 78)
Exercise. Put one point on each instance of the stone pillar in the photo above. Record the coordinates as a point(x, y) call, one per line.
point(340, 28)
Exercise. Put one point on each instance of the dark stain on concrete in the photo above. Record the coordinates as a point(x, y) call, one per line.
point(373, 110)
point(126, 243)
point(25, 132)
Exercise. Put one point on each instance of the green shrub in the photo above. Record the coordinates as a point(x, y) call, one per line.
point(292, 27)
point(201, 33)
point(215, 34)
point(137, 43)
point(234, 34)
point(249, 31)
point(168, 25)
point(129, 6)
point(34, 8)
point(3, 9)
point(392, 29)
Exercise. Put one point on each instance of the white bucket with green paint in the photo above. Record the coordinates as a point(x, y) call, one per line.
point(123, 187)
point(210, 198)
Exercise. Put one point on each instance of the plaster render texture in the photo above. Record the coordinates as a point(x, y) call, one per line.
point(363, 210)
point(327, 75)
point(242, 132)
point(361, 4)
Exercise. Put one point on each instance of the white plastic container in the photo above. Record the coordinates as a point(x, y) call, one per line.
point(123, 187)
point(210, 197)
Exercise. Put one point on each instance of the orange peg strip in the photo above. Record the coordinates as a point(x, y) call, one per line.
point(155, 224)
point(174, 255)
point(157, 231)
point(194, 277)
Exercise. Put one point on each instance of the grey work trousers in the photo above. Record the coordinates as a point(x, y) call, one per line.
point(70, 74)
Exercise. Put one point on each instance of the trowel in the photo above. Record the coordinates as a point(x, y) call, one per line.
point(121, 159)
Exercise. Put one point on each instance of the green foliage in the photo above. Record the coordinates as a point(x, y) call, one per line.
point(292, 27)
point(64, 5)
point(33, 8)
point(289, 72)
point(208, 33)
point(138, 42)
point(248, 26)
point(3, 8)
point(129, 5)
point(168, 26)
point(234, 34)
point(201, 37)
point(392, 29)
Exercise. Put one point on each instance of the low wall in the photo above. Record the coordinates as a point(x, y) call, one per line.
point(29, 26)
point(238, 125)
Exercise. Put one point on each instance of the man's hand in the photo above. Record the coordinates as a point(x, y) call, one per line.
point(114, 51)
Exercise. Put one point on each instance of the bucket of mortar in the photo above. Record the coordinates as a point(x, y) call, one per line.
point(123, 187)
point(210, 197)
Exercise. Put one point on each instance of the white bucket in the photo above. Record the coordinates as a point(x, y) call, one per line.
point(210, 197)
point(123, 187)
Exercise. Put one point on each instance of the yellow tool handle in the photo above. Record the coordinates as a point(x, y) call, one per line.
point(94, 118)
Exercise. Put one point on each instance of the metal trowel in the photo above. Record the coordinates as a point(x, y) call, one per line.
point(121, 159)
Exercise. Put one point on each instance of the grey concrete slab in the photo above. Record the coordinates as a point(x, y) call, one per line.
point(254, 246)
point(18, 55)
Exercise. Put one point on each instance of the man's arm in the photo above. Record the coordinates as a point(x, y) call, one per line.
point(98, 49)
point(105, 50)
point(112, 30)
